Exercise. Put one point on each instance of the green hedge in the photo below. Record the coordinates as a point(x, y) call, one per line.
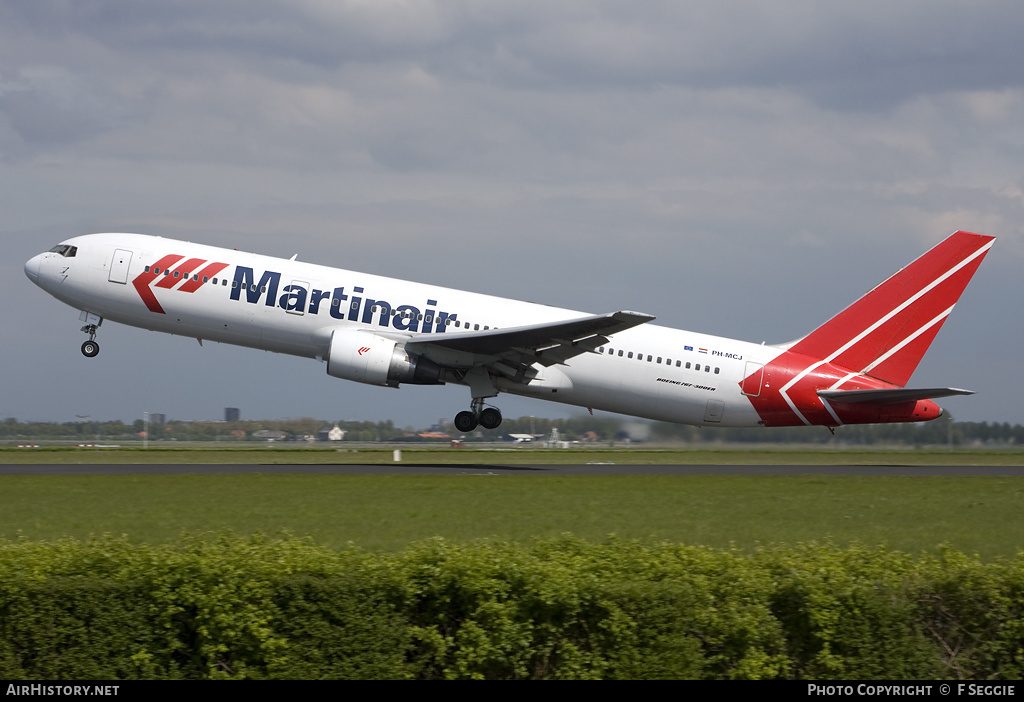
point(252, 608)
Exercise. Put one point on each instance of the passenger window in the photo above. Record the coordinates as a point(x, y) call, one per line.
point(648, 358)
point(716, 370)
point(630, 354)
point(620, 353)
point(687, 365)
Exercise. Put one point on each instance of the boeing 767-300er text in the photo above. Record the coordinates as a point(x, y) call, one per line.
point(382, 331)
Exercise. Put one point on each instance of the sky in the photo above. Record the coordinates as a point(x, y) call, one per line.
point(745, 169)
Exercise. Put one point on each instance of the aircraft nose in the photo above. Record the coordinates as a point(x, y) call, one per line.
point(32, 268)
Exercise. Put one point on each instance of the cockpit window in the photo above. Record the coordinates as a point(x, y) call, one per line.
point(65, 250)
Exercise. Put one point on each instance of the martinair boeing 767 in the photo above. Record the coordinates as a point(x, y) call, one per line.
point(382, 331)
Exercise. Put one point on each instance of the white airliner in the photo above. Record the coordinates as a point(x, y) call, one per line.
point(851, 370)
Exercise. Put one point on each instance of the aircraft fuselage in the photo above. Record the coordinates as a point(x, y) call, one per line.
point(298, 308)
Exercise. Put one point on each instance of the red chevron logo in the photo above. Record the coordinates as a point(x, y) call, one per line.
point(363, 350)
point(190, 274)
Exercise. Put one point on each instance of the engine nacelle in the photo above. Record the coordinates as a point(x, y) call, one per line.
point(368, 358)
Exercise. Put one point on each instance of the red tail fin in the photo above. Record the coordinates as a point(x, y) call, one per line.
point(885, 333)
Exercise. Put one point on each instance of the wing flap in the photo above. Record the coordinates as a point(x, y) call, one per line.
point(548, 344)
point(534, 336)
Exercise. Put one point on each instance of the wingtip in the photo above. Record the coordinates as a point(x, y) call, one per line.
point(636, 315)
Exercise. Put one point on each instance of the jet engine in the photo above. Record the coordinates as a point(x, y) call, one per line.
point(369, 358)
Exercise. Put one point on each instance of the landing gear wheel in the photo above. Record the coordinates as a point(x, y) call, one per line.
point(90, 348)
point(490, 418)
point(465, 422)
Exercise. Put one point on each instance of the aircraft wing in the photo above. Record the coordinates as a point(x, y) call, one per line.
point(890, 396)
point(518, 348)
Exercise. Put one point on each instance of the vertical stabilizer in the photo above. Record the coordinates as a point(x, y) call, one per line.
point(886, 333)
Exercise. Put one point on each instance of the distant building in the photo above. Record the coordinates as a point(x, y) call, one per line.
point(156, 418)
point(231, 414)
point(523, 438)
point(335, 434)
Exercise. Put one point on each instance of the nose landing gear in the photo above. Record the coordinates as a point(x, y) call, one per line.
point(90, 348)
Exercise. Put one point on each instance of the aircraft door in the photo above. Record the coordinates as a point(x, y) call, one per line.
point(119, 266)
point(295, 297)
point(753, 376)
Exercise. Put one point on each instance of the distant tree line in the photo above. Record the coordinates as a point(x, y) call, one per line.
point(584, 428)
point(176, 430)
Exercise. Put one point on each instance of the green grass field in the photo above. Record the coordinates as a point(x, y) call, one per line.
point(274, 454)
point(386, 512)
point(975, 514)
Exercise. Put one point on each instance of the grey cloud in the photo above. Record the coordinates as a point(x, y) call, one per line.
point(741, 168)
point(52, 106)
point(844, 56)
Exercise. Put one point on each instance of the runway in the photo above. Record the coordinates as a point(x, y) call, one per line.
point(498, 469)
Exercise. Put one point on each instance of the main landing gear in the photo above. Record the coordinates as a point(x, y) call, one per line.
point(486, 417)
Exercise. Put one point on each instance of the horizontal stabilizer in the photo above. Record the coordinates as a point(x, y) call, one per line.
point(889, 396)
